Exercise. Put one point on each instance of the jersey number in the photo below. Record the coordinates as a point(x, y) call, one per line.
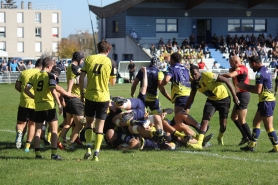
point(96, 69)
point(40, 85)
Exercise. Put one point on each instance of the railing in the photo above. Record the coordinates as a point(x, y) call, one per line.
point(11, 77)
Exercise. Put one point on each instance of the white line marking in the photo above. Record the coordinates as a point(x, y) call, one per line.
point(230, 157)
point(7, 131)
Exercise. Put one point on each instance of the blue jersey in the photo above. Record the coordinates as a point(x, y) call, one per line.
point(153, 75)
point(138, 107)
point(180, 79)
point(263, 76)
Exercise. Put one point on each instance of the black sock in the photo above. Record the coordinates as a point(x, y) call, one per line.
point(246, 129)
point(240, 129)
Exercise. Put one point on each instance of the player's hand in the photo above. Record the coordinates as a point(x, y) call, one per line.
point(60, 109)
point(143, 69)
point(236, 100)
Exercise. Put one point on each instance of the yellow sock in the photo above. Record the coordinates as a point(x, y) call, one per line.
point(98, 141)
point(49, 136)
point(178, 134)
point(201, 138)
point(275, 147)
point(88, 136)
point(27, 145)
point(252, 144)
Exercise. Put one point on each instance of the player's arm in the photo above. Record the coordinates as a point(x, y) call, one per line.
point(190, 99)
point(81, 85)
point(256, 89)
point(133, 86)
point(27, 91)
point(162, 85)
point(56, 98)
point(17, 86)
point(60, 90)
point(113, 74)
point(230, 87)
point(230, 74)
point(144, 87)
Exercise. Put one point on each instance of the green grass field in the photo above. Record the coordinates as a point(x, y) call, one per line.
point(214, 165)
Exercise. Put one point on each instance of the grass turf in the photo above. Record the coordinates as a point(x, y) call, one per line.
point(215, 165)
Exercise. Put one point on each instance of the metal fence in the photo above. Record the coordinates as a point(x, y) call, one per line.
point(11, 77)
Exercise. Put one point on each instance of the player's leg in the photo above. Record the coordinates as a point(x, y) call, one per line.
point(53, 123)
point(22, 118)
point(30, 135)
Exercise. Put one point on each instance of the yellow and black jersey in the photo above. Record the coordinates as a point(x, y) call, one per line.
point(42, 82)
point(99, 69)
point(25, 100)
point(208, 85)
point(72, 72)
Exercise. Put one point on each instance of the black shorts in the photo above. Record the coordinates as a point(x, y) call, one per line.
point(25, 114)
point(222, 106)
point(75, 106)
point(45, 115)
point(96, 109)
point(181, 101)
point(244, 98)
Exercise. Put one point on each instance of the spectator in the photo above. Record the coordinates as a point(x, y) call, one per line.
point(152, 50)
point(273, 63)
point(202, 65)
point(214, 65)
point(21, 66)
point(214, 41)
point(131, 69)
point(192, 40)
point(174, 42)
point(13, 66)
point(134, 35)
point(30, 65)
point(4, 66)
point(185, 44)
point(160, 43)
point(61, 65)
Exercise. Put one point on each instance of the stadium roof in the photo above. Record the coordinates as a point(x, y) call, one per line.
point(122, 5)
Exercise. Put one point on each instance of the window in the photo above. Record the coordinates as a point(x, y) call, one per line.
point(55, 32)
point(54, 17)
point(166, 25)
point(38, 47)
point(2, 32)
point(247, 25)
point(260, 25)
point(233, 25)
point(2, 17)
point(38, 32)
point(115, 26)
point(19, 17)
point(20, 47)
point(3, 46)
point(37, 17)
point(20, 32)
point(55, 46)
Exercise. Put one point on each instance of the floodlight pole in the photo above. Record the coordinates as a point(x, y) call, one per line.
point(96, 51)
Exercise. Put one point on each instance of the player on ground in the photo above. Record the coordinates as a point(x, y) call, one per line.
point(26, 107)
point(211, 86)
point(45, 96)
point(100, 71)
point(266, 104)
point(239, 74)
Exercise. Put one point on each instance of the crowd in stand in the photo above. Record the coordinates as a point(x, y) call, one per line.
point(246, 46)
